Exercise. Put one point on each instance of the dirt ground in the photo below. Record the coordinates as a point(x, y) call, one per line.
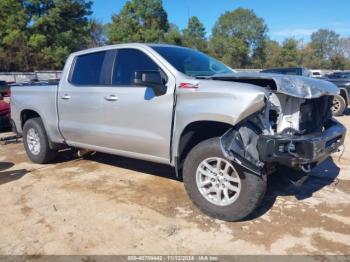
point(104, 204)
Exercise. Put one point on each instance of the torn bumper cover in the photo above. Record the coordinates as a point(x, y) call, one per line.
point(254, 151)
point(301, 150)
point(239, 144)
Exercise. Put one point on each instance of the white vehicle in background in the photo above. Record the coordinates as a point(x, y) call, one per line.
point(316, 73)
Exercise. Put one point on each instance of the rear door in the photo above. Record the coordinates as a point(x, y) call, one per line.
point(81, 98)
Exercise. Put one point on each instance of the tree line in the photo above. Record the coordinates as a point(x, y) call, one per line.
point(40, 34)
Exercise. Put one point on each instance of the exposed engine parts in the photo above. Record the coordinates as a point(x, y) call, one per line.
point(287, 110)
point(281, 133)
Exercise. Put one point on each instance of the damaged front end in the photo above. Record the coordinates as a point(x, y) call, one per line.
point(295, 128)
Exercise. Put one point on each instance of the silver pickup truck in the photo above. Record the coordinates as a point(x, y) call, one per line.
point(224, 132)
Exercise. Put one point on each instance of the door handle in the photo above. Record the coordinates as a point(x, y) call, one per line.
point(111, 98)
point(65, 97)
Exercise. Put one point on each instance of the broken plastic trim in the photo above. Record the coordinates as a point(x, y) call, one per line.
point(243, 163)
point(251, 149)
point(239, 144)
point(306, 149)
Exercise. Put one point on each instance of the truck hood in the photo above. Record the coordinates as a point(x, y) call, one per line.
point(297, 86)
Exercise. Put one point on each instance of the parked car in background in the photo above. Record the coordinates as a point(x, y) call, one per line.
point(316, 73)
point(339, 75)
point(4, 87)
point(297, 71)
point(223, 132)
point(342, 81)
point(5, 110)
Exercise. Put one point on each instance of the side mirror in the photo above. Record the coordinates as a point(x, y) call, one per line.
point(152, 79)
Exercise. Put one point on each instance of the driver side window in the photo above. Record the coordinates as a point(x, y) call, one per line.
point(128, 62)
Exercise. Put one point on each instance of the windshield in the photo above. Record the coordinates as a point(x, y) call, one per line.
point(191, 62)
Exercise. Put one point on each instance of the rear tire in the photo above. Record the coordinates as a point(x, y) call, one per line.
point(339, 105)
point(36, 142)
point(250, 187)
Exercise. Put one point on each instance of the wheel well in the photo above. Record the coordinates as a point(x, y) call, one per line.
point(344, 94)
point(28, 114)
point(197, 132)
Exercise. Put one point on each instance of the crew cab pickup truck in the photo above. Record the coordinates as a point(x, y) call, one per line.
point(224, 132)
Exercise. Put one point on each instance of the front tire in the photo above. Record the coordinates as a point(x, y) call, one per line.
point(36, 142)
point(220, 188)
point(339, 105)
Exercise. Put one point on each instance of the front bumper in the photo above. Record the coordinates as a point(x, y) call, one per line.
point(301, 150)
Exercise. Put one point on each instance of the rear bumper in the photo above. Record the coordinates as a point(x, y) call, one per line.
point(300, 150)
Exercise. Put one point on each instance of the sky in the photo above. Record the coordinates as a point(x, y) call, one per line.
point(284, 18)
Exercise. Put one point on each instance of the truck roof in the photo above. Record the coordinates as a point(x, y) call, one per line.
point(126, 45)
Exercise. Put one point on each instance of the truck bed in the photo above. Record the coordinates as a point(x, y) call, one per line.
point(40, 98)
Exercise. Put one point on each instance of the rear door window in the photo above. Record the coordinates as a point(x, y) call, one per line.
point(89, 70)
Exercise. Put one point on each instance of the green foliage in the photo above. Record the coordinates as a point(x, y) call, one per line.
point(273, 54)
point(13, 35)
point(338, 62)
point(232, 51)
point(139, 21)
point(289, 56)
point(173, 36)
point(194, 35)
point(238, 37)
point(40, 34)
point(292, 53)
point(325, 43)
point(97, 32)
point(59, 27)
point(326, 50)
point(308, 57)
point(345, 47)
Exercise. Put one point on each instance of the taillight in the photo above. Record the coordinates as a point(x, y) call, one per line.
point(7, 99)
point(7, 96)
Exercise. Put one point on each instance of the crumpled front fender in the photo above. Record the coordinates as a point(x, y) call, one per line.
point(229, 103)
